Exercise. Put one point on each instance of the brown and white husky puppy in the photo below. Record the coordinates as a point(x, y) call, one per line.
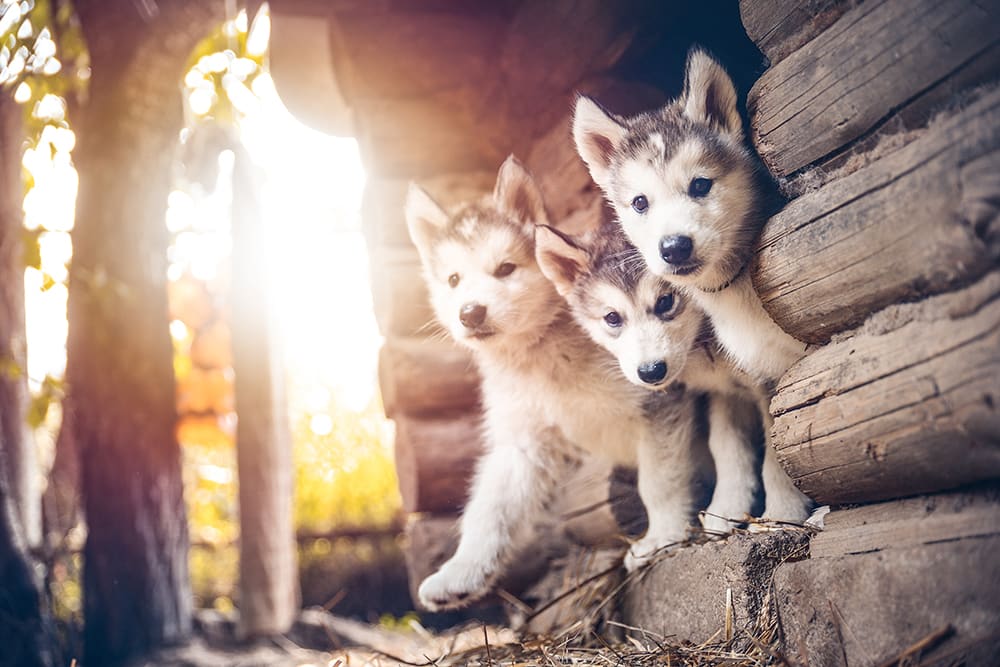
point(689, 195)
point(659, 337)
point(547, 388)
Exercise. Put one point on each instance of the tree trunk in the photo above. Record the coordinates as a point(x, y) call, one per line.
point(22, 464)
point(269, 592)
point(119, 371)
point(24, 626)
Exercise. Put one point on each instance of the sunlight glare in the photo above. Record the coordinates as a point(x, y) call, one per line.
point(312, 203)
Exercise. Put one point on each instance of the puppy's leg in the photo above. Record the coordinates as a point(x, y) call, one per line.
point(782, 499)
point(731, 426)
point(513, 482)
point(668, 468)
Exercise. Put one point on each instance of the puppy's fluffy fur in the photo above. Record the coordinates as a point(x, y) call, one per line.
point(547, 388)
point(688, 194)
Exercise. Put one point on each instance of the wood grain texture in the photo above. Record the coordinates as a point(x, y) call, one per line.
point(867, 609)
point(779, 27)
point(921, 220)
point(435, 459)
point(901, 524)
point(906, 405)
point(427, 377)
point(399, 293)
point(874, 59)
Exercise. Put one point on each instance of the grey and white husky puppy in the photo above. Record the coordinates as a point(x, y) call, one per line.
point(659, 337)
point(547, 388)
point(688, 194)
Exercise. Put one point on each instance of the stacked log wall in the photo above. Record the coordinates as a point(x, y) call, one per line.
point(879, 119)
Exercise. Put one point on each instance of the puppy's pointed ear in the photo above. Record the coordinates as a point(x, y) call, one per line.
point(598, 137)
point(560, 260)
point(517, 194)
point(424, 217)
point(709, 95)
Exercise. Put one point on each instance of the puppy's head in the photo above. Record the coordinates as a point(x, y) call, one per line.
point(682, 184)
point(641, 319)
point(479, 263)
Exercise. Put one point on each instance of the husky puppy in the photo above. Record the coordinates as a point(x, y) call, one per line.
point(547, 388)
point(660, 337)
point(688, 194)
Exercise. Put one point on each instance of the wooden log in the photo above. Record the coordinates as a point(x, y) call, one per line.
point(919, 221)
point(435, 459)
point(427, 377)
point(902, 524)
point(874, 59)
point(399, 293)
point(881, 579)
point(908, 404)
point(779, 27)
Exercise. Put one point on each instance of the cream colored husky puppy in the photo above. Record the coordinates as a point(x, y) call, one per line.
point(547, 388)
point(660, 337)
point(687, 193)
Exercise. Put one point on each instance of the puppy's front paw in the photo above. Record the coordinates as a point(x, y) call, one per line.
point(647, 549)
point(715, 521)
point(455, 585)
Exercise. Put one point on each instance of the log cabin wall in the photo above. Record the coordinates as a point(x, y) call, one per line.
point(879, 119)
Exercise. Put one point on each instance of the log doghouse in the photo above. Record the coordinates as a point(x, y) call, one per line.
point(880, 122)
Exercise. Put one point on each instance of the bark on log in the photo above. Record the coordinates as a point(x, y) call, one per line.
point(908, 404)
point(779, 27)
point(919, 221)
point(425, 377)
point(908, 523)
point(874, 59)
point(843, 605)
point(399, 293)
point(435, 459)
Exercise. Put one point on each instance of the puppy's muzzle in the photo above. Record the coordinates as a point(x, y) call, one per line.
point(472, 315)
point(653, 372)
point(676, 250)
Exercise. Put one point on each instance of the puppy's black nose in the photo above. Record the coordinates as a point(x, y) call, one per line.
point(676, 249)
point(653, 372)
point(472, 315)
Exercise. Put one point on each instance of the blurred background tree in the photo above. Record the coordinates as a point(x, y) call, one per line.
point(337, 444)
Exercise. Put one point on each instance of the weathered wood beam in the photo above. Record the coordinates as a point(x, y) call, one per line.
point(884, 579)
point(779, 27)
point(873, 60)
point(435, 459)
point(427, 377)
point(909, 403)
point(919, 221)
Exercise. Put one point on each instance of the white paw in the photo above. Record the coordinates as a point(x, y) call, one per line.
point(714, 520)
point(647, 549)
point(454, 585)
point(793, 510)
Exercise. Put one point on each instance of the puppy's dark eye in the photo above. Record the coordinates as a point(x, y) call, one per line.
point(454, 279)
point(665, 306)
point(504, 270)
point(640, 204)
point(699, 187)
point(613, 319)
